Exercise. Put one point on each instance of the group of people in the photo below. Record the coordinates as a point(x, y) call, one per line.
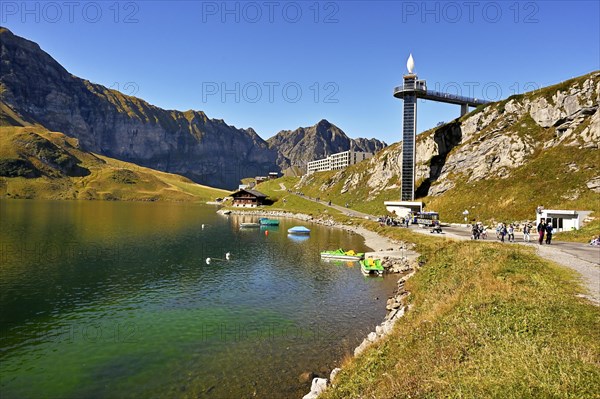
point(503, 231)
point(390, 221)
point(544, 229)
point(478, 231)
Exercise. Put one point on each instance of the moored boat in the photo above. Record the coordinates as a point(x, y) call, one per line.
point(248, 225)
point(340, 254)
point(268, 222)
point(299, 230)
point(371, 266)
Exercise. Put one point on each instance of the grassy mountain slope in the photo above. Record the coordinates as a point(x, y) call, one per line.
point(37, 163)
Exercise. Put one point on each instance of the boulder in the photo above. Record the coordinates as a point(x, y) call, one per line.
point(334, 373)
point(318, 386)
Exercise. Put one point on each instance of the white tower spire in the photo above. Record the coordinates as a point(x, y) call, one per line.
point(410, 64)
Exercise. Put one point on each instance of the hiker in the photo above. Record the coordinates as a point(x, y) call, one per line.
point(475, 232)
point(498, 229)
point(526, 232)
point(502, 232)
point(511, 233)
point(541, 228)
point(549, 230)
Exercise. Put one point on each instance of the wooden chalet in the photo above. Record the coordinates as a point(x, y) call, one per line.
point(246, 197)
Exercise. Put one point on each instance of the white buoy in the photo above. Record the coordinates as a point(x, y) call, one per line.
point(208, 261)
point(227, 255)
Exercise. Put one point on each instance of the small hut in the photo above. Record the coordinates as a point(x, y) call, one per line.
point(248, 198)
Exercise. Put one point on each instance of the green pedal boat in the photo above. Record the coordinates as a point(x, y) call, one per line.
point(371, 266)
point(340, 254)
point(268, 222)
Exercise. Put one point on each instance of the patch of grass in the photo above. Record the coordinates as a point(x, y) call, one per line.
point(286, 201)
point(125, 176)
point(549, 91)
point(487, 321)
point(329, 186)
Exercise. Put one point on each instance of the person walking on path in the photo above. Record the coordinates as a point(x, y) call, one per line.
point(541, 228)
point(511, 233)
point(548, 233)
point(526, 232)
point(502, 232)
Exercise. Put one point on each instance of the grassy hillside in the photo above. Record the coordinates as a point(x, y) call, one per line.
point(36, 163)
point(359, 196)
point(546, 179)
point(487, 321)
point(285, 201)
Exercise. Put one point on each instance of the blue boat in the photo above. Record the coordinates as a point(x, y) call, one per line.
point(299, 230)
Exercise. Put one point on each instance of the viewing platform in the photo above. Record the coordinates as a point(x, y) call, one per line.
point(420, 91)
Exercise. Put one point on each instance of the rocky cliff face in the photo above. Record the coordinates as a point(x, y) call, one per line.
point(305, 144)
point(503, 137)
point(39, 90)
point(539, 146)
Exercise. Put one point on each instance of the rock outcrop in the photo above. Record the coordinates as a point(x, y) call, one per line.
point(506, 135)
point(298, 147)
point(39, 90)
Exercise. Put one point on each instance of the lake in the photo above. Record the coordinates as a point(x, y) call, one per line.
point(115, 299)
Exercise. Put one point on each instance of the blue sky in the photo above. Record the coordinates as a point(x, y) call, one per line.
point(275, 65)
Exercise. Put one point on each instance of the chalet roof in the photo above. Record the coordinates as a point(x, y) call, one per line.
point(255, 193)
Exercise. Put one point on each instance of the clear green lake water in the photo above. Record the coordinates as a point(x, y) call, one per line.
point(115, 300)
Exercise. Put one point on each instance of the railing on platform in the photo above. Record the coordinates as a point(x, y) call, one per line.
point(433, 94)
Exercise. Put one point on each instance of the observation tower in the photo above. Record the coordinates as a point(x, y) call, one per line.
point(410, 91)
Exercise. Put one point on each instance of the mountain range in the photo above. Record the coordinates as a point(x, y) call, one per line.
point(36, 90)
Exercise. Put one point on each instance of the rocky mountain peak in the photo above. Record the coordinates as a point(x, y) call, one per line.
point(305, 144)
